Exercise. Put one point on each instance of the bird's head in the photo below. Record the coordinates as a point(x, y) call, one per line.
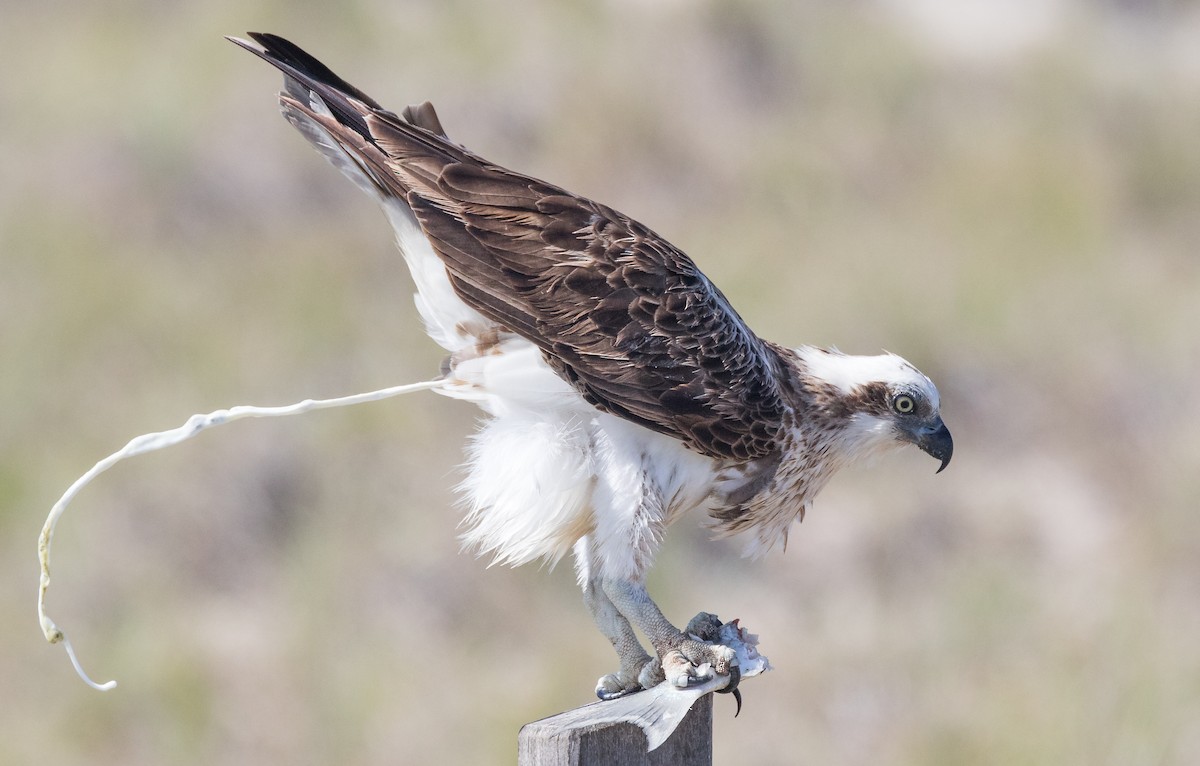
point(880, 401)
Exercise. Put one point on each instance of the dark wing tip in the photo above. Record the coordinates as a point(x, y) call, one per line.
point(246, 44)
point(293, 59)
point(276, 48)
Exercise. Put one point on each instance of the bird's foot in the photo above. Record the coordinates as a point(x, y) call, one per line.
point(718, 649)
point(707, 654)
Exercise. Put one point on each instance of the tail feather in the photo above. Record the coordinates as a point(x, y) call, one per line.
point(313, 93)
point(337, 119)
point(304, 74)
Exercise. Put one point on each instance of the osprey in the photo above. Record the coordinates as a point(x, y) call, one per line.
point(624, 391)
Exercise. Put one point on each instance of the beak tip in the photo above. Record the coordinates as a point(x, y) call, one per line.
point(938, 444)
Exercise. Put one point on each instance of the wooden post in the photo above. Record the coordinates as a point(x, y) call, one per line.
point(576, 738)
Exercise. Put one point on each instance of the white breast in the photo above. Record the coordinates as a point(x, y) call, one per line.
point(549, 468)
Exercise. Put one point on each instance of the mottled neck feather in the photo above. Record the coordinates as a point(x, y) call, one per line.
point(841, 417)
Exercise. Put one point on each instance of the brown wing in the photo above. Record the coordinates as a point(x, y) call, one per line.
point(619, 312)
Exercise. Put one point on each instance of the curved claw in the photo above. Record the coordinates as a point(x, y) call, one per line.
point(605, 696)
point(735, 677)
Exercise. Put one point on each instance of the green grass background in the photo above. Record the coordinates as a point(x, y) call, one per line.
point(1008, 194)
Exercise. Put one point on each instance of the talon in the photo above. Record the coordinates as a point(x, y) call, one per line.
point(606, 696)
point(735, 677)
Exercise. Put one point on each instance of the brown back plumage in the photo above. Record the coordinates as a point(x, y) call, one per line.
point(617, 311)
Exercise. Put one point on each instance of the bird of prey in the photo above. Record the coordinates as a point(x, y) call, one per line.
point(623, 389)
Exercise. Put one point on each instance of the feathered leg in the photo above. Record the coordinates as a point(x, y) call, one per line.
point(638, 669)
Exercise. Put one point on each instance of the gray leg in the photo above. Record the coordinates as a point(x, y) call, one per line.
point(638, 669)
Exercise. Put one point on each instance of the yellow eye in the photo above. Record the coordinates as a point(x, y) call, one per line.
point(904, 404)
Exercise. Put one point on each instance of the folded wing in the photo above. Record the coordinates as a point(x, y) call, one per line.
point(617, 311)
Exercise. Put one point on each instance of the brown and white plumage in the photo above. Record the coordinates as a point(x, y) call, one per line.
point(624, 388)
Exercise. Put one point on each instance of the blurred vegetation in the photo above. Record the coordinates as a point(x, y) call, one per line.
point(1008, 194)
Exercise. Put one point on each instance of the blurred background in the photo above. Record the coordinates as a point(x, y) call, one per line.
point(1005, 192)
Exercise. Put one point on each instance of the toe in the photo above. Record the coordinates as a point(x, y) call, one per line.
point(633, 678)
point(720, 657)
point(614, 685)
point(651, 674)
point(693, 663)
point(679, 670)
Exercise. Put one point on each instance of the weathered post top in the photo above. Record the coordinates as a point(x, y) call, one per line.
point(586, 736)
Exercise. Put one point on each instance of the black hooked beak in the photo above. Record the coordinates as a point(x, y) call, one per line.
point(936, 441)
